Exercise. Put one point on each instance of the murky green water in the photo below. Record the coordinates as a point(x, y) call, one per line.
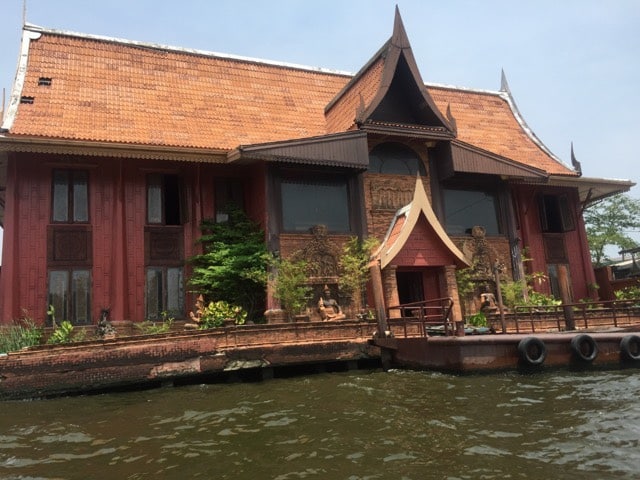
point(356, 425)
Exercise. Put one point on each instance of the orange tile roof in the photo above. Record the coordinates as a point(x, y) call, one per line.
point(485, 120)
point(341, 114)
point(115, 92)
point(108, 90)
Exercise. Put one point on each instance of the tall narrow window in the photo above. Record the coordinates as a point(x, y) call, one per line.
point(70, 196)
point(69, 253)
point(70, 295)
point(164, 200)
point(164, 292)
point(555, 214)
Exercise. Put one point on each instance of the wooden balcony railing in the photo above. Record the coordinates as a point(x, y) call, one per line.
point(419, 318)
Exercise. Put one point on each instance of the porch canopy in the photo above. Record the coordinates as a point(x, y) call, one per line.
point(348, 149)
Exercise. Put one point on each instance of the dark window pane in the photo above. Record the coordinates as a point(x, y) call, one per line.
point(154, 198)
point(70, 295)
point(164, 292)
point(80, 197)
point(307, 204)
point(565, 213)
point(553, 281)
point(154, 293)
point(59, 292)
point(555, 214)
point(171, 200)
point(70, 201)
point(60, 196)
point(175, 292)
point(465, 209)
point(164, 200)
point(81, 288)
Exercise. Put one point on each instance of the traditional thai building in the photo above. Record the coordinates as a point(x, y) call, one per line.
point(112, 153)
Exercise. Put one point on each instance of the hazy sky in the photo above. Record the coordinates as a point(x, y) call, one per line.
point(573, 65)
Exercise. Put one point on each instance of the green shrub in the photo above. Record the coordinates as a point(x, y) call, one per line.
point(290, 285)
point(513, 292)
point(63, 333)
point(477, 320)
point(354, 267)
point(628, 293)
point(216, 313)
point(233, 265)
point(23, 333)
point(540, 299)
point(152, 328)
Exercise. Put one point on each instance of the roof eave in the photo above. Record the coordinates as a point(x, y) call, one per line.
point(30, 144)
point(591, 189)
point(344, 149)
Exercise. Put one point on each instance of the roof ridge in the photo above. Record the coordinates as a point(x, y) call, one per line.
point(445, 86)
point(190, 51)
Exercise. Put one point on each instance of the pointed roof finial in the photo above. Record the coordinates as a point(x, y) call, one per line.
point(24, 13)
point(399, 37)
point(504, 85)
point(576, 164)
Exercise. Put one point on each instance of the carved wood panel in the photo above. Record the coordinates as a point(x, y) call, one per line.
point(164, 246)
point(69, 245)
point(555, 250)
point(385, 196)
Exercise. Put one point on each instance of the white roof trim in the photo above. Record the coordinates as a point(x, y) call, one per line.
point(16, 92)
point(192, 51)
point(419, 206)
point(507, 97)
point(530, 133)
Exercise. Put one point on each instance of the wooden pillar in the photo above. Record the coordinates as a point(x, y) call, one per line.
point(565, 295)
point(496, 277)
point(451, 289)
point(119, 287)
point(390, 285)
point(378, 296)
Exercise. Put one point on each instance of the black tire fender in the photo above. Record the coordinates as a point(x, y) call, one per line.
point(630, 348)
point(532, 351)
point(584, 348)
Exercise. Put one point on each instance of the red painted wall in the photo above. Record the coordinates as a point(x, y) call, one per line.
point(423, 248)
point(117, 212)
point(22, 285)
point(530, 233)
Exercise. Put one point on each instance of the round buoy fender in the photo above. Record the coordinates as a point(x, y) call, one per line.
point(630, 347)
point(532, 351)
point(584, 347)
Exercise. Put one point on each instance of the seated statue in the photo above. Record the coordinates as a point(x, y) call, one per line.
point(328, 307)
point(489, 304)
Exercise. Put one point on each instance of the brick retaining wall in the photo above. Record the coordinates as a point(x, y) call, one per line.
point(86, 366)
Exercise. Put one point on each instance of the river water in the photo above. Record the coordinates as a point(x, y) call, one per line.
point(353, 425)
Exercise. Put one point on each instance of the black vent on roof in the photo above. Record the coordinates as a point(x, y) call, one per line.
point(44, 82)
point(26, 99)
